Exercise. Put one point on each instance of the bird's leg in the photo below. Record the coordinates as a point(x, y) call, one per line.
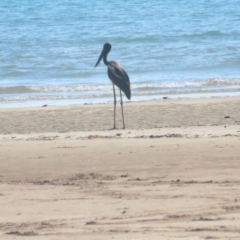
point(122, 109)
point(115, 102)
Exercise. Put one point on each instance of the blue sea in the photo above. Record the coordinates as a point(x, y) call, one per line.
point(175, 49)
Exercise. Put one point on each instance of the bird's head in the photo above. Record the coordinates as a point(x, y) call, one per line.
point(106, 49)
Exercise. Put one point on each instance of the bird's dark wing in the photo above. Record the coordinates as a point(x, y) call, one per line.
point(119, 77)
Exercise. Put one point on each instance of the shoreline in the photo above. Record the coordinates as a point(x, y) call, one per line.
point(99, 101)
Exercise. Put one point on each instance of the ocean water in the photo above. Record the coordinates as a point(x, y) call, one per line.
point(175, 49)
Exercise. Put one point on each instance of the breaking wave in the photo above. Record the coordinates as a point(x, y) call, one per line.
point(137, 87)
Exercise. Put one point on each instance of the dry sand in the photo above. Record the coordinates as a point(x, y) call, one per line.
point(172, 174)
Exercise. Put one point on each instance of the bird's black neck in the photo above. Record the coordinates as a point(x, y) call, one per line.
point(105, 59)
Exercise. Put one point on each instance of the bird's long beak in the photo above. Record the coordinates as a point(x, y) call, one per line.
point(100, 58)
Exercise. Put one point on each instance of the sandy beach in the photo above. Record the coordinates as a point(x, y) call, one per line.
point(173, 173)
